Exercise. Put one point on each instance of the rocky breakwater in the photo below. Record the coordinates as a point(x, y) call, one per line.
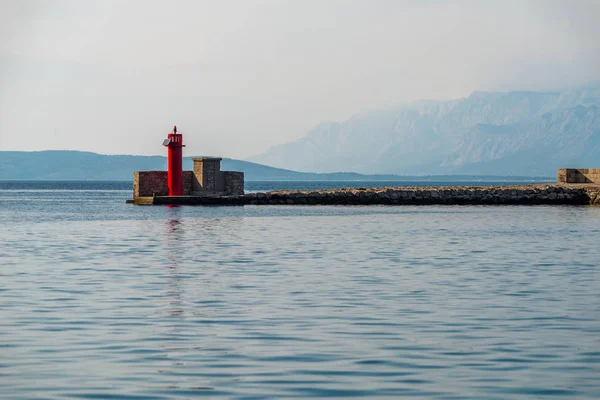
point(521, 194)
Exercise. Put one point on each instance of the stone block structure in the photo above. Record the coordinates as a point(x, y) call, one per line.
point(209, 177)
point(205, 180)
point(234, 181)
point(579, 175)
point(150, 183)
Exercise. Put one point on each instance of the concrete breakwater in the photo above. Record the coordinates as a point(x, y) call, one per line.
point(520, 194)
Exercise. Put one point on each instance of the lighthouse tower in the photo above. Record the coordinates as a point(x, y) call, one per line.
point(174, 143)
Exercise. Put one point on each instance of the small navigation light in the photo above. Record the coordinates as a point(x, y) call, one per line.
point(166, 142)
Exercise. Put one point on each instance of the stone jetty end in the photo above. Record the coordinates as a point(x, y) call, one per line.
point(574, 187)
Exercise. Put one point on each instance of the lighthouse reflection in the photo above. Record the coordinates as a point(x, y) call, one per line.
point(174, 233)
point(195, 251)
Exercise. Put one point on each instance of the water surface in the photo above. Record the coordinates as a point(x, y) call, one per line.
point(99, 299)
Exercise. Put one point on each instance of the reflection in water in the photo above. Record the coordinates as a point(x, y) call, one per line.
point(174, 237)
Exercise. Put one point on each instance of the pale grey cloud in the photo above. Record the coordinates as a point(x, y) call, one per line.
point(237, 76)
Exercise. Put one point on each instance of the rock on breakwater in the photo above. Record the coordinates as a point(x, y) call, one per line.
point(520, 194)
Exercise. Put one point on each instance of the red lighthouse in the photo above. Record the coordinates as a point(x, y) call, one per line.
point(174, 142)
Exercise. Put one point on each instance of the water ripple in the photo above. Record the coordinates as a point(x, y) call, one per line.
point(296, 302)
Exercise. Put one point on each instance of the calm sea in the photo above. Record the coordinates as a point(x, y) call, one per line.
point(104, 300)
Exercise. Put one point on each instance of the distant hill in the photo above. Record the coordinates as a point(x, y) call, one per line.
point(513, 133)
point(79, 165)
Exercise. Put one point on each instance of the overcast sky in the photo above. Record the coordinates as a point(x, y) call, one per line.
point(238, 76)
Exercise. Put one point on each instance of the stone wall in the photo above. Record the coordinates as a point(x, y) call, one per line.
point(579, 175)
point(210, 180)
point(188, 182)
point(198, 175)
point(155, 183)
point(209, 177)
point(234, 183)
point(149, 183)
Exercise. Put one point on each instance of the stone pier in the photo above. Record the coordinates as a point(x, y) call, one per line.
point(551, 194)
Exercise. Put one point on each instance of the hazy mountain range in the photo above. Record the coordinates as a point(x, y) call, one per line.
point(529, 134)
point(514, 133)
point(80, 165)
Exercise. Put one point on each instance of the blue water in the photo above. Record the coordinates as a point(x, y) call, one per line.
point(100, 299)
